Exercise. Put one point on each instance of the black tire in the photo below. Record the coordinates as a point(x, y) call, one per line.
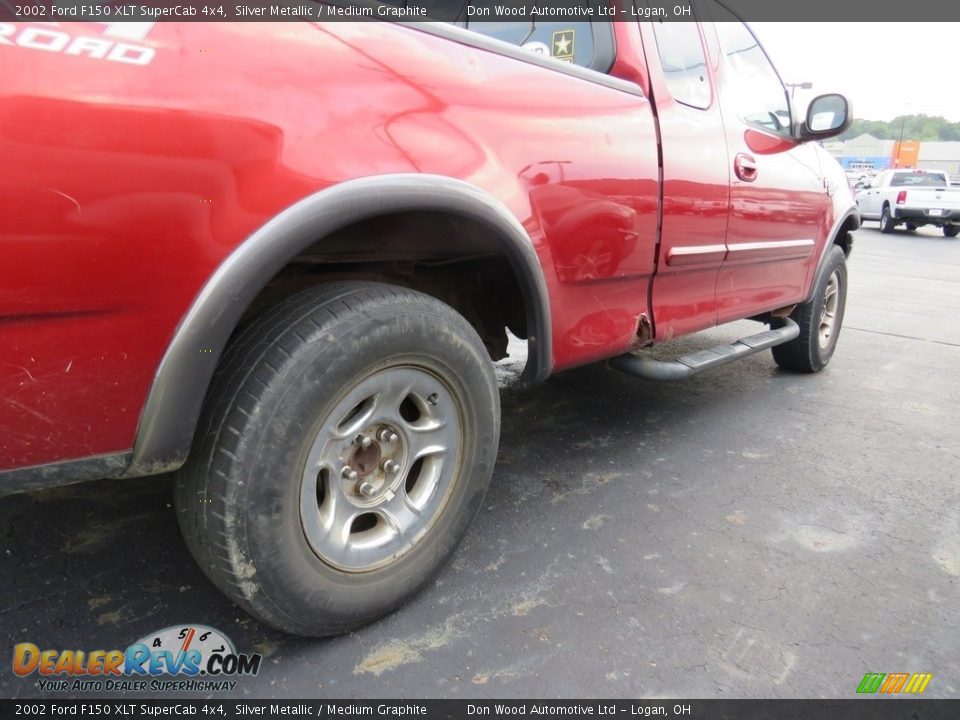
point(951, 231)
point(911, 227)
point(887, 224)
point(806, 353)
point(239, 495)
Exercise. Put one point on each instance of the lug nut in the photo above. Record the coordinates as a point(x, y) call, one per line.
point(363, 441)
point(433, 398)
point(366, 489)
point(387, 435)
point(389, 466)
point(349, 473)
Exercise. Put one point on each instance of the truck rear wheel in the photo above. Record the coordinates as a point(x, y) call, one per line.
point(345, 445)
point(951, 230)
point(887, 224)
point(820, 320)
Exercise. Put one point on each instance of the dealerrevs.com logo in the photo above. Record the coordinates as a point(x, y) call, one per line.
point(200, 658)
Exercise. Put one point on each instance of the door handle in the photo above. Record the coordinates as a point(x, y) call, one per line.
point(745, 167)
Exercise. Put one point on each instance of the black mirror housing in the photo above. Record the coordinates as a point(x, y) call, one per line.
point(827, 116)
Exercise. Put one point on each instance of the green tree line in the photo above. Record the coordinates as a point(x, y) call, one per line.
point(915, 127)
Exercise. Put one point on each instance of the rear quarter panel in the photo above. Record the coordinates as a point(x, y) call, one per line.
point(124, 186)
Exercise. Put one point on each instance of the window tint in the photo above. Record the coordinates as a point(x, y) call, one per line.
point(684, 63)
point(758, 94)
point(588, 44)
point(567, 41)
point(918, 179)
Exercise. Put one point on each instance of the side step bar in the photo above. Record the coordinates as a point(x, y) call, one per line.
point(694, 363)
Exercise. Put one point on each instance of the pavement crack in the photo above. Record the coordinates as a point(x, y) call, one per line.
point(904, 337)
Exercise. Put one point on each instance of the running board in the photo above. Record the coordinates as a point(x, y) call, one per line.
point(688, 365)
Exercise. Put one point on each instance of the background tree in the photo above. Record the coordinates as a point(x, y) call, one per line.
point(915, 127)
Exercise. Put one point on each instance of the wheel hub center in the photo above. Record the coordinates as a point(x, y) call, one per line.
point(372, 467)
point(365, 460)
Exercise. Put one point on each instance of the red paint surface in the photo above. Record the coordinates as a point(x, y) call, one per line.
point(124, 187)
point(784, 201)
point(696, 187)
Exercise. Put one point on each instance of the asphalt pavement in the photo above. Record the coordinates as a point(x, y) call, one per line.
point(747, 533)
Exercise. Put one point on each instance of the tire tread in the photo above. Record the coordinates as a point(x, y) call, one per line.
point(803, 353)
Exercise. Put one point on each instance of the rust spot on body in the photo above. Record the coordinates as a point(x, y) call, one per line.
point(644, 331)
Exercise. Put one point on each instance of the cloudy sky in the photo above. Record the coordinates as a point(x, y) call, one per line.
point(886, 69)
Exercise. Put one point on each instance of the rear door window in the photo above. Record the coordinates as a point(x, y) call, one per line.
point(684, 62)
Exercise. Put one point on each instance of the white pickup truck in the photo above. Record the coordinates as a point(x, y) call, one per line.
point(912, 198)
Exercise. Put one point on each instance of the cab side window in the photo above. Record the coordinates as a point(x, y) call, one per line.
point(758, 93)
point(684, 63)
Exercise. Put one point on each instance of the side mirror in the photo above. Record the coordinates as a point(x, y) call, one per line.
point(827, 116)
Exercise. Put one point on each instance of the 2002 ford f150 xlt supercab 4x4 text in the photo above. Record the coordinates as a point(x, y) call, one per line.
point(280, 259)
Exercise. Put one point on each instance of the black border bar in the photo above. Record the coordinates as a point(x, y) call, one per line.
point(885, 708)
point(460, 11)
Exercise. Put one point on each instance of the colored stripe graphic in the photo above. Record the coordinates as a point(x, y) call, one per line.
point(871, 682)
point(918, 683)
point(892, 683)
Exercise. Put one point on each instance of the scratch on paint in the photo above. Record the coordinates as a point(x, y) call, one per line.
point(21, 367)
point(29, 410)
point(68, 197)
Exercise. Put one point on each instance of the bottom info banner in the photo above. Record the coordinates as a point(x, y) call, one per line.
point(727, 709)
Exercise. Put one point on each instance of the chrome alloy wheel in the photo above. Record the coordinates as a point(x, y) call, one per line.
point(381, 468)
point(828, 315)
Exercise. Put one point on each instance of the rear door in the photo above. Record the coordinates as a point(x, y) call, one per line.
point(779, 203)
point(696, 178)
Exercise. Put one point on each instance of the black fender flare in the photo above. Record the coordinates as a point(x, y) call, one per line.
point(852, 213)
point(170, 414)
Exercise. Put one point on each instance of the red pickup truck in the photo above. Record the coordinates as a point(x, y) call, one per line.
point(281, 259)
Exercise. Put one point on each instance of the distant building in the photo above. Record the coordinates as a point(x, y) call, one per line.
point(906, 154)
point(940, 156)
point(867, 153)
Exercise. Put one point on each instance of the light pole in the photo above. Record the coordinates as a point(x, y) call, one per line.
point(802, 85)
point(903, 124)
point(896, 162)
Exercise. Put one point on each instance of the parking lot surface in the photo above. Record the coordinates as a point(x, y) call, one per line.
point(747, 533)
